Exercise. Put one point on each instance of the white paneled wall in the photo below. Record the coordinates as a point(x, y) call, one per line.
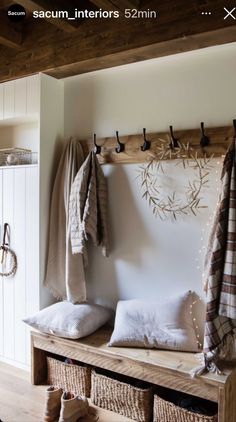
point(8, 100)
point(8, 283)
point(19, 294)
point(32, 94)
point(20, 97)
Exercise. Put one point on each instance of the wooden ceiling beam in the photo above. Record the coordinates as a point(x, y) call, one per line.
point(9, 35)
point(5, 3)
point(43, 5)
point(105, 5)
point(119, 5)
point(112, 42)
point(126, 4)
point(159, 49)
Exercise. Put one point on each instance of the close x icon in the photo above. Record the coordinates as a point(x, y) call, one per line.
point(230, 13)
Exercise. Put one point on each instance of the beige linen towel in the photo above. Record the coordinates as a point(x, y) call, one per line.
point(65, 272)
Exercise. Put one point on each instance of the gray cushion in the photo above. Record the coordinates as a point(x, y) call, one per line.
point(64, 319)
point(156, 325)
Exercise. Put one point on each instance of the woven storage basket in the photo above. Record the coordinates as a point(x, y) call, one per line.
point(73, 378)
point(165, 411)
point(121, 397)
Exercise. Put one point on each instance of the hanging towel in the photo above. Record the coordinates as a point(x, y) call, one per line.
point(220, 267)
point(88, 217)
point(65, 272)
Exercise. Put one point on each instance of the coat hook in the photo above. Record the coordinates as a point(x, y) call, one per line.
point(174, 141)
point(146, 144)
point(204, 139)
point(234, 123)
point(121, 147)
point(97, 148)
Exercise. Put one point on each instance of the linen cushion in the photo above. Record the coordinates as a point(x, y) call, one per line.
point(64, 319)
point(155, 325)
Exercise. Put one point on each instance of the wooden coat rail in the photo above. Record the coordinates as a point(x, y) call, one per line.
point(220, 138)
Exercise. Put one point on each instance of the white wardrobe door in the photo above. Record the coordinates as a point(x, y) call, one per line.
point(8, 282)
point(19, 294)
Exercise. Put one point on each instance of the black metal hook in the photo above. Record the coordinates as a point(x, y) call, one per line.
point(204, 139)
point(97, 148)
point(234, 123)
point(174, 141)
point(121, 147)
point(146, 144)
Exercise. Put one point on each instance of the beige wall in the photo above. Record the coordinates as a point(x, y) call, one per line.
point(151, 257)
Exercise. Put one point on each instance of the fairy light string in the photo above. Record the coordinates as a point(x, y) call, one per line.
point(195, 323)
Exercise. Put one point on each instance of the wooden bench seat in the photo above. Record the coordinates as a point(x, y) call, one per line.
point(164, 368)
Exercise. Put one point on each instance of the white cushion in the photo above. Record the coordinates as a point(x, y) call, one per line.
point(155, 325)
point(64, 319)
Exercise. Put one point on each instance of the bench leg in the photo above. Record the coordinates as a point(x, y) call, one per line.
point(227, 401)
point(38, 365)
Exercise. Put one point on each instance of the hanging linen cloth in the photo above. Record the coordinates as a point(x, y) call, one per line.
point(220, 269)
point(88, 215)
point(65, 272)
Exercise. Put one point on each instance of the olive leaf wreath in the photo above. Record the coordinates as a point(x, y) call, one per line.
point(173, 206)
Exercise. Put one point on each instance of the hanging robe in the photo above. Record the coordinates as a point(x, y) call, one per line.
point(65, 271)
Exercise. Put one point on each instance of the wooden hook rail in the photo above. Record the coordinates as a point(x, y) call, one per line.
point(220, 138)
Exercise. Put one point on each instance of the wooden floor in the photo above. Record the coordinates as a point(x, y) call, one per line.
point(22, 402)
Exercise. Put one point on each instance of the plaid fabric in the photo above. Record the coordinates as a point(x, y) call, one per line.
point(221, 267)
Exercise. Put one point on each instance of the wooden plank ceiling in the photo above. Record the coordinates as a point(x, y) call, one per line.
point(62, 47)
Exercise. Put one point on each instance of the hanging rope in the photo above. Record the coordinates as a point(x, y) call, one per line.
point(7, 254)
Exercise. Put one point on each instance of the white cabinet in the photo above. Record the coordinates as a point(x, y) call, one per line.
point(31, 116)
point(19, 294)
point(8, 99)
point(32, 98)
point(20, 97)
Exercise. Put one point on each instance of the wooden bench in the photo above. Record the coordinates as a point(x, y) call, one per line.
point(164, 368)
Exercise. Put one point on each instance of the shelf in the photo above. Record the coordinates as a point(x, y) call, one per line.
point(15, 121)
point(168, 369)
point(18, 166)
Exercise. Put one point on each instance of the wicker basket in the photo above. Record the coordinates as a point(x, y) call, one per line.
point(17, 156)
point(122, 397)
point(165, 411)
point(73, 378)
